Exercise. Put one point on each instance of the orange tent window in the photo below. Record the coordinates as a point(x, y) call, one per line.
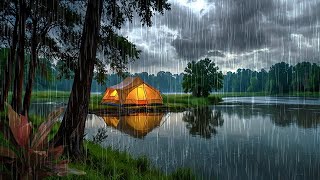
point(114, 93)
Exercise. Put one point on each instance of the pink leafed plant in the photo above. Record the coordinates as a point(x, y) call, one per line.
point(29, 154)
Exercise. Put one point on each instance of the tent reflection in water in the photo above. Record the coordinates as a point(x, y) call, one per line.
point(137, 124)
point(132, 91)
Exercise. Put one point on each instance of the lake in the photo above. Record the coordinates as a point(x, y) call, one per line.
point(245, 138)
point(278, 138)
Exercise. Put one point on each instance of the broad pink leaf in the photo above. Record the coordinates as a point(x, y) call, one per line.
point(45, 128)
point(20, 127)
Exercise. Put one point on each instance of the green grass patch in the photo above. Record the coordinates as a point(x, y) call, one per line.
point(186, 100)
point(40, 96)
point(106, 163)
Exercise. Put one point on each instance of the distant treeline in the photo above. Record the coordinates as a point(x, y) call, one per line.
point(281, 78)
point(164, 81)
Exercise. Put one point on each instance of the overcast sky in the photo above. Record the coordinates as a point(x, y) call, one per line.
point(235, 33)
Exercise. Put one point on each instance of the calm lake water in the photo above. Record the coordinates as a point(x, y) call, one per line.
point(264, 140)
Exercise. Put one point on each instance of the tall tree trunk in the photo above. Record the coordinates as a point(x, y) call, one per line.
point(8, 71)
point(19, 69)
point(32, 68)
point(71, 131)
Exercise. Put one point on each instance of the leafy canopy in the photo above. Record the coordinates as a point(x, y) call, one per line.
point(202, 77)
point(114, 51)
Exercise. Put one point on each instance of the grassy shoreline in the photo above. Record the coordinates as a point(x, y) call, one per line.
point(172, 102)
point(107, 163)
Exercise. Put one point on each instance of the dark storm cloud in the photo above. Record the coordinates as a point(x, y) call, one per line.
point(216, 54)
point(234, 25)
point(234, 32)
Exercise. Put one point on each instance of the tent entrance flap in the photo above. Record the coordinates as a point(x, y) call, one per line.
point(137, 96)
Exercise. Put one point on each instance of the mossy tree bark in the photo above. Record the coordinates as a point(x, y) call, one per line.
point(8, 68)
point(19, 66)
point(32, 68)
point(71, 131)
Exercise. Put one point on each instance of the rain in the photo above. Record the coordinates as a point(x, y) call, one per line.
point(160, 89)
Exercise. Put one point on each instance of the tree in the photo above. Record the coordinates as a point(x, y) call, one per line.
point(11, 36)
point(253, 85)
point(44, 15)
point(19, 65)
point(302, 73)
point(315, 78)
point(117, 49)
point(280, 77)
point(202, 77)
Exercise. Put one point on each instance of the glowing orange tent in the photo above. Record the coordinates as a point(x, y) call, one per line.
point(132, 91)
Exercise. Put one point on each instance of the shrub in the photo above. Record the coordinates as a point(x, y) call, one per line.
point(27, 155)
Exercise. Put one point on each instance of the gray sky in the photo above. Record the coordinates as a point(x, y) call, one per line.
point(235, 33)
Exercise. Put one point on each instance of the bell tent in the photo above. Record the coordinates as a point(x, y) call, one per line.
point(132, 91)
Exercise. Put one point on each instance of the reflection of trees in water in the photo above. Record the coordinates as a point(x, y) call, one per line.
point(305, 117)
point(203, 121)
point(281, 115)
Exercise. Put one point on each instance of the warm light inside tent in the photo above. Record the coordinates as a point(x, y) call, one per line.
point(141, 95)
point(133, 91)
point(114, 93)
point(138, 94)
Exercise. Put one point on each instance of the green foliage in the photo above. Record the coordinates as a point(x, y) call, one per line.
point(253, 84)
point(106, 163)
point(44, 73)
point(183, 174)
point(27, 154)
point(202, 77)
point(3, 61)
point(118, 51)
point(282, 78)
point(164, 81)
point(185, 100)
